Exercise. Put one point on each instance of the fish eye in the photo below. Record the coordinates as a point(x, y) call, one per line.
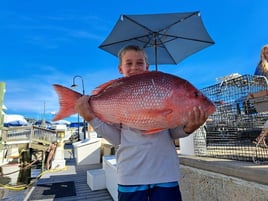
point(196, 93)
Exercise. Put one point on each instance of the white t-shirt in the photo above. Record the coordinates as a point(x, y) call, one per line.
point(142, 159)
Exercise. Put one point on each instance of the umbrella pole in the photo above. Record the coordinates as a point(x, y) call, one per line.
point(155, 53)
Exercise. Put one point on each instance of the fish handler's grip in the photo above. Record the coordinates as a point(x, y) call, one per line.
point(196, 118)
point(82, 106)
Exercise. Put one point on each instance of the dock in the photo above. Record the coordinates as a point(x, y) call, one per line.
point(68, 184)
point(65, 184)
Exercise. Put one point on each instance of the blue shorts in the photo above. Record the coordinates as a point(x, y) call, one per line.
point(154, 192)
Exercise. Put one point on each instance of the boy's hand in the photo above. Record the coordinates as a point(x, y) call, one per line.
point(83, 108)
point(196, 118)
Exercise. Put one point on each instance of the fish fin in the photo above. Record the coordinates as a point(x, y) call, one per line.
point(157, 112)
point(102, 87)
point(167, 112)
point(153, 131)
point(164, 113)
point(67, 101)
point(112, 83)
point(98, 89)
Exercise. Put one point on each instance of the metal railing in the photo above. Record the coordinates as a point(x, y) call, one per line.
point(16, 134)
point(37, 137)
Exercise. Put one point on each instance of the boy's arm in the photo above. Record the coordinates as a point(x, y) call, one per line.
point(108, 131)
point(178, 132)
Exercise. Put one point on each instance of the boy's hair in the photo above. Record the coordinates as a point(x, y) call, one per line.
point(131, 47)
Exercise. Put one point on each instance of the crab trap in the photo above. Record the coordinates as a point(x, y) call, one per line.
point(241, 111)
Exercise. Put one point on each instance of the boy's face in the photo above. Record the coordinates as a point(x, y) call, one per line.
point(132, 62)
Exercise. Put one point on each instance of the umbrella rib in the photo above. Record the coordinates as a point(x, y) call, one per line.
point(172, 36)
point(180, 20)
point(137, 23)
point(193, 39)
point(136, 38)
point(122, 41)
point(146, 28)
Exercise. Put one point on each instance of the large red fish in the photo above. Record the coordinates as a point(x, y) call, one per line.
point(150, 101)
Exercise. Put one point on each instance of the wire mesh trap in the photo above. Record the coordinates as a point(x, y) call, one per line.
point(241, 111)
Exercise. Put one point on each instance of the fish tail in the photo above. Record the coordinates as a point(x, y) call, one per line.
point(67, 101)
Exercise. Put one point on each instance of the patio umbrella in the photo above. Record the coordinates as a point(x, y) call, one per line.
point(166, 38)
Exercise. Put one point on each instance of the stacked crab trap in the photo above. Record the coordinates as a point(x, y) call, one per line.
point(241, 111)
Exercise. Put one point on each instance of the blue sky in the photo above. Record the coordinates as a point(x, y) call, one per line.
point(48, 42)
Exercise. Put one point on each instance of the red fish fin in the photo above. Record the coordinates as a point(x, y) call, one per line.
point(159, 113)
point(67, 100)
point(153, 131)
point(102, 87)
point(167, 112)
point(163, 114)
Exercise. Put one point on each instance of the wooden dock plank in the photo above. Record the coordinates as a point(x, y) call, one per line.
point(75, 173)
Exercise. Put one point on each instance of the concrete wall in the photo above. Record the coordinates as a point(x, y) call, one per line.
point(198, 184)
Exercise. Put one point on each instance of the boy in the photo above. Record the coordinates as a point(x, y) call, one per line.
point(147, 165)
